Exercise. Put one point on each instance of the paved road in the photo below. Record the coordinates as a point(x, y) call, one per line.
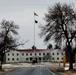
point(32, 71)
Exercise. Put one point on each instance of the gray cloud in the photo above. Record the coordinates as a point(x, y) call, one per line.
point(22, 13)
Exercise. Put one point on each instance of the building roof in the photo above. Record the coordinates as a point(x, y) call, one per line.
point(31, 50)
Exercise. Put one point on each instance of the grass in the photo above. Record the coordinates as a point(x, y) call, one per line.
point(67, 72)
point(6, 71)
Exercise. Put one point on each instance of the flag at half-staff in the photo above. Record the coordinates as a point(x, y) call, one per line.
point(36, 21)
point(35, 14)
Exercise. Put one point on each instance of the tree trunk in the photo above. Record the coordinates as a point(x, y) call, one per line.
point(1, 67)
point(71, 61)
point(2, 57)
point(71, 56)
point(71, 64)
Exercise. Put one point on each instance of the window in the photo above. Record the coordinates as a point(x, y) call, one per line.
point(39, 53)
point(52, 58)
point(8, 54)
point(26, 58)
point(26, 54)
point(52, 53)
point(62, 53)
point(30, 53)
point(43, 58)
point(17, 54)
point(8, 59)
point(12, 58)
point(30, 58)
point(22, 54)
point(17, 58)
point(13, 54)
point(43, 53)
point(39, 58)
point(47, 53)
point(35, 54)
point(57, 53)
point(57, 58)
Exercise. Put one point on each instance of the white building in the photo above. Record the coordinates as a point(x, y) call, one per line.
point(27, 55)
point(40, 55)
point(57, 55)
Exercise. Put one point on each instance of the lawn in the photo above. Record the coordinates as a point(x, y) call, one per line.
point(6, 70)
point(66, 72)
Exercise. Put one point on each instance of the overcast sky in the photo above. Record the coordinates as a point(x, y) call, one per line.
point(22, 13)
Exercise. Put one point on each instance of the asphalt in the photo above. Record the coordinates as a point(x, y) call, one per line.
point(32, 71)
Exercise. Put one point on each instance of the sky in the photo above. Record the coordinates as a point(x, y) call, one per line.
point(22, 13)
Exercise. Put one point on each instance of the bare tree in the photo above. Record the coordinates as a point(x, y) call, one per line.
point(60, 24)
point(57, 47)
point(33, 47)
point(50, 46)
point(8, 40)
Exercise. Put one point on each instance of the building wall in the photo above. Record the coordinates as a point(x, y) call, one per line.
point(12, 56)
point(15, 56)
point(57, 55)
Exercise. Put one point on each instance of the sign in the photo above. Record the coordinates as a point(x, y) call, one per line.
point(64, 59)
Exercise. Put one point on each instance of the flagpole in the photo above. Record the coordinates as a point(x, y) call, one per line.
point(34, 29)
point(34, 33)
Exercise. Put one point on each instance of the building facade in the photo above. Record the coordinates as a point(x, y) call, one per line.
point(57, 55)
point(40, 55)
point(27, 55)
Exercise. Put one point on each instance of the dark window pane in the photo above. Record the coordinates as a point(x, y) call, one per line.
point(62, 53)
point(53, 58)
point(13, 54)
point(8, 54)
point(57, 53)
point(30, 53)
point(39, 58)
point(43, 53)
point(8, 59)
point(47, 53)
point(22, 54)
point(30, 58)
point(12, 58)
point(26, 58)
point(52, 53)
point(39, 53)
point(35, 53)
point(57, 58)
point(26, 53)
point(17, 54)
point(43, 58)
point(17, 58)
